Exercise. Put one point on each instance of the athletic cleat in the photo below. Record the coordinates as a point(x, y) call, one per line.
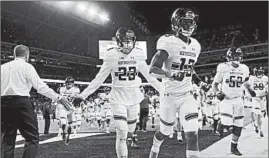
point(235, 151)
point(216, 133)
point(256, 129)
point(107, 131)
point(261, 134)
point(179, 139)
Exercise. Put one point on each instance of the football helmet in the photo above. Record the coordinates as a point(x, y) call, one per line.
point(258, 71)
point(234, 55)
point(125, 39)
point(69, 82)
point(184, 21)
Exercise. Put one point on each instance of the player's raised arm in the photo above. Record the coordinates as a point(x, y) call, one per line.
point(97, 81)
point(143, 67)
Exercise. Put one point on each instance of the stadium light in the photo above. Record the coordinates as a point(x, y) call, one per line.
point(104, 16)
point(92, 11)
point(81, 6)
point(64, 5)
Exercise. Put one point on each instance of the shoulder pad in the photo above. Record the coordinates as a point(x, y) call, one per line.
point(111, 53)
point(168, 35)
point(111, 48)
point(222, 67)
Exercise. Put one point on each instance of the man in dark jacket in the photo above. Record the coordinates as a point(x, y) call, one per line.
point(144, 112)
point(46, 115)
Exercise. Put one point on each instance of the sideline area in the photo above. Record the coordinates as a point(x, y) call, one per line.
point(250, 144)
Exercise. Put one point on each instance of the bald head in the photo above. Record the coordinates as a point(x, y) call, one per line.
point(21, 51)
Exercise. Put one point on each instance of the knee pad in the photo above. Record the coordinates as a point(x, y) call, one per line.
point(63, 121)
point(237, 131)
point(131, 126)
point(121, 135)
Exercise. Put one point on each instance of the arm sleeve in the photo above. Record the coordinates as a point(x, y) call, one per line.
point(39, 85)
point(97, 81)
point(143, 68)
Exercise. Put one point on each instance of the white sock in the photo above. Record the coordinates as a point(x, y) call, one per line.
point(192, 154)
point(156, 145)
point(121, 146)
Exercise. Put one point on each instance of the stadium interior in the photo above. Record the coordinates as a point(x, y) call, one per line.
point(64, 40)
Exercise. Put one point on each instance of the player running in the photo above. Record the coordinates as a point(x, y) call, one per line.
point(232, 75)
point(90, 113)
point(123, 62)
point(258, 82)
point(65, 117)
point(176, 55)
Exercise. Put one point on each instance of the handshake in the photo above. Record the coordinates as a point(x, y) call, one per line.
point(77, 99)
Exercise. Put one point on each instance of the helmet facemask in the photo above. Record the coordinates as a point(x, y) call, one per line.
point(69, 84)
point(185, 25)
point(126, 41)
point(259, 72)
point(235, 57)
point(127, 45)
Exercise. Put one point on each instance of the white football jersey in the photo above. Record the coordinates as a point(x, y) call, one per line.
point(259, 84)
point(181, 57)
point(210, 95)
point(125, 80)
point(69, 92)
point(231, 79)
point(90, 107)
point(106, 105)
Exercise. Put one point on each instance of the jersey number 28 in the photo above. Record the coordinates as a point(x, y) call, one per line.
point(127, 73)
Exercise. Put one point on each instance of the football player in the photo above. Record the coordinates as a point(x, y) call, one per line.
point(123, 62)
point(197, 94)
point(90, 112)
point(176, 55)
point(152, 108)
point(106, 114)
point(259, 82)
point(232, 75)
point(78, 115)
point(212, 110)
point(69, 90)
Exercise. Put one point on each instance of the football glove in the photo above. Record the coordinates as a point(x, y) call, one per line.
point(67, 105)
point(220, 96)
